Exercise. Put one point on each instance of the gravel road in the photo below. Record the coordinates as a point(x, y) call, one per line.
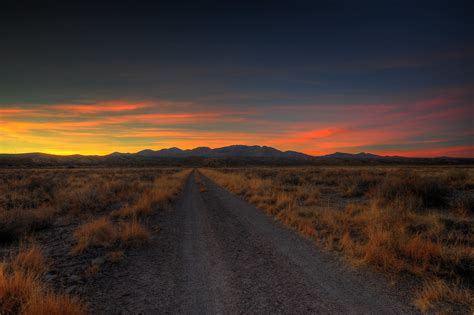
point(217, 254)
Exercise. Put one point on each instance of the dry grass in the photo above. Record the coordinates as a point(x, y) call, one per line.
point(15, 290)
point(32, 200)
point(22, 292)
point(401, 221)
point(29, 260)
point(133, 234)
point(156, 196)
point(53, 304)
point(102, 232)
point(17, 223)
point(99, 232)
point(444, 298)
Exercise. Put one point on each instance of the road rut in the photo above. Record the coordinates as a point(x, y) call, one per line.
point(217, 254)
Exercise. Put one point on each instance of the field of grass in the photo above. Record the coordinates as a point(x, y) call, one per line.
point(413, 222)
point(105, 213)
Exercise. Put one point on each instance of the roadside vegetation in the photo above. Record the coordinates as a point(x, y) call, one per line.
point(23, 292)
point(415, 222)
point(105, 212)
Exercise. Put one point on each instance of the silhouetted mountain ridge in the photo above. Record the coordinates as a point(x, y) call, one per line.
point(229, 151)
point(230, 155)
point(361, 155)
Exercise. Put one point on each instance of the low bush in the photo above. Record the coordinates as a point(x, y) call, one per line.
point(133, 234)
point(22, 292)
point(99, 232)
point(411, 191)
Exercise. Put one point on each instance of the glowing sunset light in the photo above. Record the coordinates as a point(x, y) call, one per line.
point(117, 106)
point(297, 77)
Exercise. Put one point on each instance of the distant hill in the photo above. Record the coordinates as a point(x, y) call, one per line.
point(234, 155)
point(362, 155)
point(229, 151)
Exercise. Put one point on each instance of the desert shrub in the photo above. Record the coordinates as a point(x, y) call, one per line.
point(410, 191)
point(16, 223)
point(48, 303)
point(99, 232)
point(307, 195)
point(15, 290)
point(22, 292)
point(463, 204)
point(445, 299)
point(457, 178)
point(290, 179)
point(29, 260)
point(13, 224)
point(359, 183)
point(153, 196)
point(86, 199)
point(133, 234)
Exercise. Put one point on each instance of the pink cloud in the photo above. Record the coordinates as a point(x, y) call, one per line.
point(112, 106)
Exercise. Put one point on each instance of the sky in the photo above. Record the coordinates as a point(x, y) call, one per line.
point(385, 77)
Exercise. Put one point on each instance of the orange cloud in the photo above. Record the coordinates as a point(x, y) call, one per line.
point(315, 129)
point(15, 111)
point(308, 136)
point(114, 106)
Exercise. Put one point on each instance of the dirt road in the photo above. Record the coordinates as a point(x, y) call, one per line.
point(217, 254)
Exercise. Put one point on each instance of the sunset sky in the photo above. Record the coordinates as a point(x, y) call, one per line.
point(386, 77)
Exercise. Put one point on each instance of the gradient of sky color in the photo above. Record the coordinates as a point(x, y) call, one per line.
point(386, 77)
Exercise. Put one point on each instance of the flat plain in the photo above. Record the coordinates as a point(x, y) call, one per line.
point(232, 240)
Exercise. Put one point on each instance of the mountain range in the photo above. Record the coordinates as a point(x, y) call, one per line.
point(229, 155)
point(229, 151)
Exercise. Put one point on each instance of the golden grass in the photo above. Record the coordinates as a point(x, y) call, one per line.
point(15, 290)
point(438, 295)
point(397, 220)
point(29, 260)
point(21, 290)
point(102, 232)
point(133, 234)
point(32, 199)
point(99, 232)
point(156, 196)
point(53, 304)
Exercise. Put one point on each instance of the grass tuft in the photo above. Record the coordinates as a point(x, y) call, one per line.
point(99, 232)
point(133, 234)
point(22, 292)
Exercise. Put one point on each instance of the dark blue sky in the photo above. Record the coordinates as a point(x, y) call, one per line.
point(308, 66)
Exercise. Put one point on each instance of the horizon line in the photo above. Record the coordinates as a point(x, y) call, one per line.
point(255, 145)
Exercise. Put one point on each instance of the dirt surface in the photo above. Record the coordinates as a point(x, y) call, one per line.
point(217, 254)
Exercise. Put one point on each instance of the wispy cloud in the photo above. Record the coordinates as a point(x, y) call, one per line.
point(437, 124)
point(103, 107)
